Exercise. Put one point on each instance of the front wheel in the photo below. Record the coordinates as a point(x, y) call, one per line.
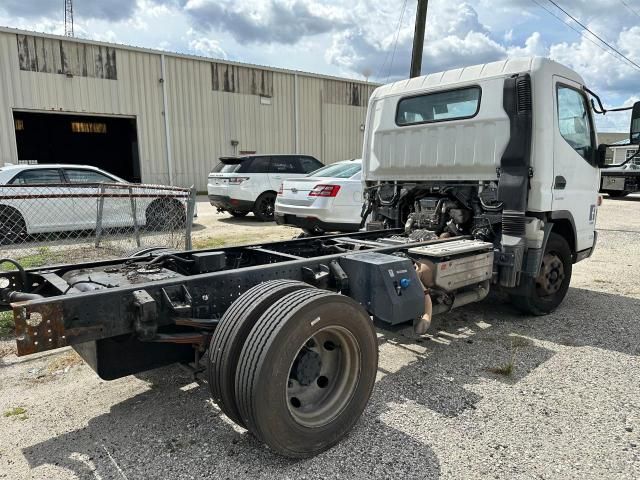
point(546, 292)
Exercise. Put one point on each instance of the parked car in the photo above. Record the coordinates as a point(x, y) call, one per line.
point(329, 199)
point(240, 185)
point(54, 198)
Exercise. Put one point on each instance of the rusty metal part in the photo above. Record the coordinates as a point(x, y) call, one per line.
point(41, 327)
point(197, 322)
point(200, 339)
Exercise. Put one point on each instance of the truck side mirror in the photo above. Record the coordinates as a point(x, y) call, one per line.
point(601, 155)
point(635, 124)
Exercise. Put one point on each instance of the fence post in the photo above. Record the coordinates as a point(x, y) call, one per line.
point(99, 216)
point(136, 227)
point(191, 206)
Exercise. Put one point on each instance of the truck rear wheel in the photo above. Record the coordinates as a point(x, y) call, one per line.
point(230, 335)
point(307, 371)
point(549, 288)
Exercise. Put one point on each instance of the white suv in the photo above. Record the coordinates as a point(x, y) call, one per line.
point(240, 185)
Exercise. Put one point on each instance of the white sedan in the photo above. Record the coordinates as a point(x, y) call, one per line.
point(58, 198)
point(327, 200)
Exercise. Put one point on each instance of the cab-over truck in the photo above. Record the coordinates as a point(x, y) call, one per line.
point(479, 178)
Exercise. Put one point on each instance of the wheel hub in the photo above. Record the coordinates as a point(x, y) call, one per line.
point(323, 376)
point(551, 276)
point(307, 367)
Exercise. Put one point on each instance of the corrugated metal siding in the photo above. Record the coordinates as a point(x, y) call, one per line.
point(203, 119)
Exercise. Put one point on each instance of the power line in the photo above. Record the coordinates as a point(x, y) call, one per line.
point(594, 34)
point(630, 9)
point(395, 43)
point(384, 62)
point(580, 33)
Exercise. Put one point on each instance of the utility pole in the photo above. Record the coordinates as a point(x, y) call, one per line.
point(418, 38)
point(68, 18)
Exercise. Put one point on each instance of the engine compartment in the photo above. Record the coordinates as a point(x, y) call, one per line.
point(437, 210)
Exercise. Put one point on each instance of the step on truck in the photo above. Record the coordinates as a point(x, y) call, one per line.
point(479, 178)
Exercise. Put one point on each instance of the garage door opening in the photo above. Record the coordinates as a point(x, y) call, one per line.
point(105, 142)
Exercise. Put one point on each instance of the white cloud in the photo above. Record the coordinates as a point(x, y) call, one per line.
point(207, 47)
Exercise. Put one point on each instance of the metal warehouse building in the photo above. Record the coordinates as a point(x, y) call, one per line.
point(160, 117)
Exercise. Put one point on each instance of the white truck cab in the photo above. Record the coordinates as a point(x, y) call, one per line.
point(504, 152)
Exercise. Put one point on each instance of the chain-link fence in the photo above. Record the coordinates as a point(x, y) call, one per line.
point(58, 223)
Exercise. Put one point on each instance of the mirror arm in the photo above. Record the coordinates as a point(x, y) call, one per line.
point(602, 110)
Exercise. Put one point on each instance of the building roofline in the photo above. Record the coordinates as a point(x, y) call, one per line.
point(152, 51)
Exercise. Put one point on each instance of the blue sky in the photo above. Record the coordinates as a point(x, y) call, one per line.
point(361, 38)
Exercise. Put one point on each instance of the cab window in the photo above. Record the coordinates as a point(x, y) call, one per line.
point(439, 106)
point(574, 121)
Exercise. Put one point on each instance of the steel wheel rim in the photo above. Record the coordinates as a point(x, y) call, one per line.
point(323, 377)
point(551, 276)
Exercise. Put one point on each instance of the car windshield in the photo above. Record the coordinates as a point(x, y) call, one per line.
point(225, 167)
point(338, 170)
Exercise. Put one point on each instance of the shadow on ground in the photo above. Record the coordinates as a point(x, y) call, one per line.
point(174, 432)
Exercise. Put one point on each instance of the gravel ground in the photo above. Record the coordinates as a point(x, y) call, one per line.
point(570, 408)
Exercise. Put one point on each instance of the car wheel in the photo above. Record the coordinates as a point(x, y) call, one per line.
point(238, 213)
point(265, 206)
point(13, 228)
point(548, 289)
point(165, 214)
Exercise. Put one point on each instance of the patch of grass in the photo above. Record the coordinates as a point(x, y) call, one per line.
point(7, 326)
point(15, 411)
point(43, 256)
point(215, 242)
point(507, 369)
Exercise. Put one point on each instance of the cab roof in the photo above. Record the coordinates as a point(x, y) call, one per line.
point(503, 68)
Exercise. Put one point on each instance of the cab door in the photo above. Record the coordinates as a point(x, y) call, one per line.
point(576, 176)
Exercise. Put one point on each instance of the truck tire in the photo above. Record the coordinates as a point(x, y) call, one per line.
point(307, 371)
point(264, 207)
point(230, 335)
point(549, 288)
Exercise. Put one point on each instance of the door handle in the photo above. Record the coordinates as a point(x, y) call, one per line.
point(560, 183)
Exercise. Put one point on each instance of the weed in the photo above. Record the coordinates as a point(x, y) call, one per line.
point(508, 368)
point(7, 326)
point(14, 412)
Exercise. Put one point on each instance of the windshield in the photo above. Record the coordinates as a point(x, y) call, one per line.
point(338, 170)
point(225, 167)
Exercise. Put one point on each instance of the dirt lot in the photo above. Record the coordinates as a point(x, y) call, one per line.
point(444, 406)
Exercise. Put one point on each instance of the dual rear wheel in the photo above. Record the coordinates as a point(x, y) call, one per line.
point(294, 365)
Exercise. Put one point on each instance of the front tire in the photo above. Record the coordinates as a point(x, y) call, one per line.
point(306, 372)
point(546, 292)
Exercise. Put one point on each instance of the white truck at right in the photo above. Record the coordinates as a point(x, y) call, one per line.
point(504, 153)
